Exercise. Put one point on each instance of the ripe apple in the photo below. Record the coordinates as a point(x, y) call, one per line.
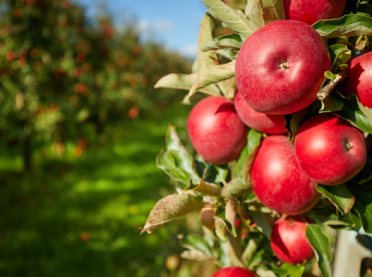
point(270, 124)
point(216, 131)
point(329, 150)
point(278, 181)
point(359, 79)
point(289, 242)
point(280, 67)
point(313, 11)
point(234, 272)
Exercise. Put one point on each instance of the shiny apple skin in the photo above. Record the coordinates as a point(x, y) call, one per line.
point(278, 181)
point(270, 89)
point(270, 124)
point(312, 11)
point(289, 242)
point(234, 272)
point(359, 79)
point(216, 131)
point(329, 150)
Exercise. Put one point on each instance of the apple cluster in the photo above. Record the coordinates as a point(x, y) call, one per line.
point(278, 72)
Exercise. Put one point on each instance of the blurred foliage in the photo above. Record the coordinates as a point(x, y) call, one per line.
point(65, 78)
point(80, 216)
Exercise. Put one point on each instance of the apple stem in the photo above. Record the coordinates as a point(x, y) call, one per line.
point(326, 91)
point(284, 65)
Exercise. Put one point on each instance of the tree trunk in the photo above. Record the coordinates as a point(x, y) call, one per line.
point(26, 154)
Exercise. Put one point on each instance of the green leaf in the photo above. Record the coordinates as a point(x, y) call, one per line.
point(320, 244)
point(230, 18)
point(222, 44)
point(348, 25)
point(339, 196)
point(211, 74)
point(351, 113)
point(222, 228)
point(170, 208)
point(248, 154)
point(196, 242)
point(294, 271)
point(263, 12)
point(234, 188)
point(227, 53)
point(198, 256)
point(339, 54)
point(353, 219)
point(366, 111)
point(263, 222)
point(206, 188)
point(363, 204)
point(279, 271)
point(184, 82)
point(261, 272)
point(250, 251)
point(176, 162)
point(329, 75)
point(332, 103)
point(206, 34)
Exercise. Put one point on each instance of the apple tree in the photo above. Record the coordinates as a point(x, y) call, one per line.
point(283, 157)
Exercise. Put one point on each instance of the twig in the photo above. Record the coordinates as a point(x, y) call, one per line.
point(324, 93)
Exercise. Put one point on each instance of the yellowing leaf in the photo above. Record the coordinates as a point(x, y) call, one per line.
point(170, 208)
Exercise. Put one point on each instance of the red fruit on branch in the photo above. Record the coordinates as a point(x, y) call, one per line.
point(289, 242)
point(216, 131)
point(270, 124)
point(329, 150)
point(278, 181)
point(313, 11)
point(234, 272)
point(359, 79)
point(280, 67)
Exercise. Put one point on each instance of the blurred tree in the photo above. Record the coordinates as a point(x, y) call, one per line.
point(63, 78)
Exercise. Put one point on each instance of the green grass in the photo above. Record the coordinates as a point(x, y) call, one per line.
point(107, 192)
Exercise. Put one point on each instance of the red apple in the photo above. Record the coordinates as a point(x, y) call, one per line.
point(313, 11)
point(278, 181)
point(280, 67)
point(216, 131)
point(359, 79)
point(329, 150)
point(270, 124)
point(234, 272)
point(289, 242)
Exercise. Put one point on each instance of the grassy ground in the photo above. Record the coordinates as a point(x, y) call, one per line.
point(80, 216)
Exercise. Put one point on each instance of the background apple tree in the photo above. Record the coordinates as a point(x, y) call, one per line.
point(64, 77)
point(223, 194)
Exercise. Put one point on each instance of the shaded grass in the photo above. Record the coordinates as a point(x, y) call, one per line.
point(80, 216)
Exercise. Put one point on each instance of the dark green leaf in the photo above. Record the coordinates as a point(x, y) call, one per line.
point(263, 221)
point(363, 204)
point(353, 219)
point(247, 156)
point(348, 25)
point(351, 113)
point(332, 103)
point(339, 195)
point(320, 244)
